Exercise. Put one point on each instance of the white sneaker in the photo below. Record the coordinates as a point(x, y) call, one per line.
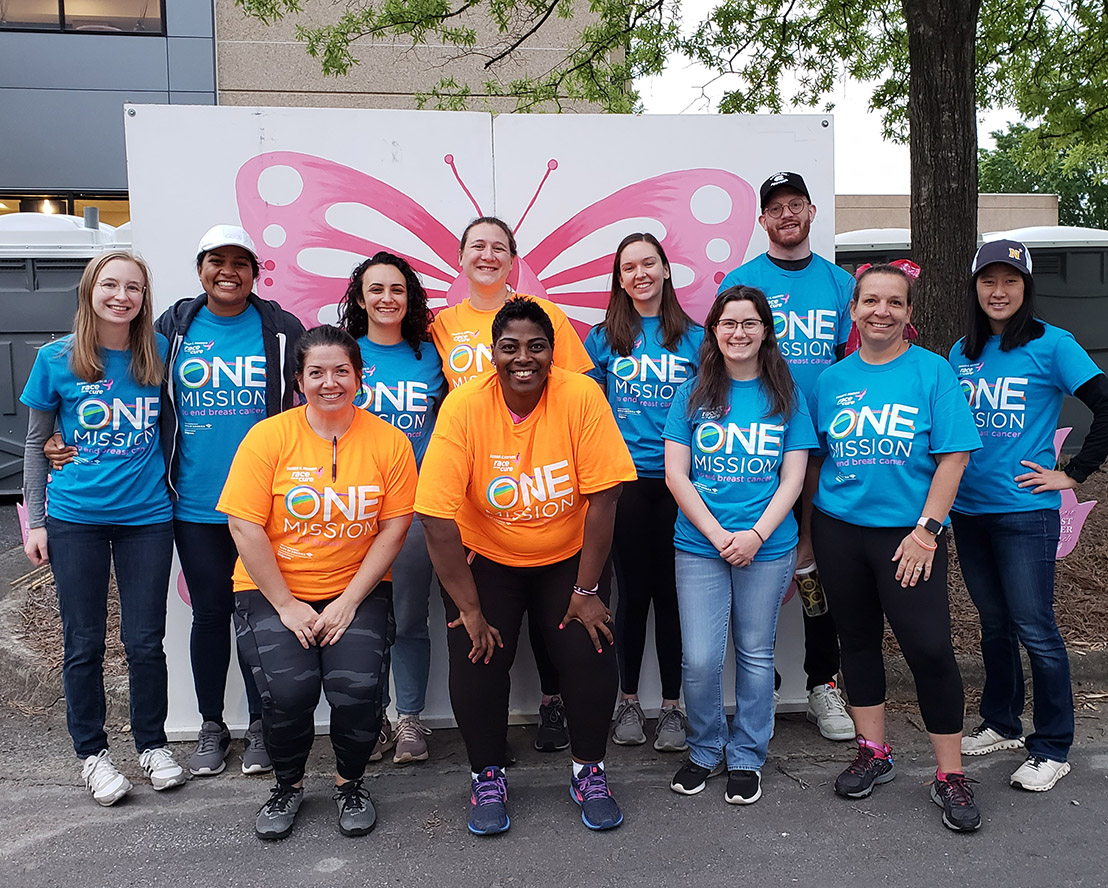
point(827, 711)
point(163, 771)
point(1039, 774)
point(103, 779)
point(983, 740)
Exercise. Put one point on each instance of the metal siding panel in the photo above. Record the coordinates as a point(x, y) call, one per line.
point(189, 18)
point(83, 62)
point(191, 64)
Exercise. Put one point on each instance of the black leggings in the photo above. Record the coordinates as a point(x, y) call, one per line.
point(643, 553)
point(208, 555)
point(289, 679)
point(860, 580)
point(479, 691)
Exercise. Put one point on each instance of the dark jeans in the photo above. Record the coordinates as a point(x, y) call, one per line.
point(859, 578)
point(289, 679)
point(208, 554)
point(81, 556)
point(479, 691)
point(1008, 564)
point(642, 550)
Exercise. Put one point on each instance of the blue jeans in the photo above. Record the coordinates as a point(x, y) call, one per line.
point(409, 658)
point(81, 556)
point(1008, 564)
point(712, 594)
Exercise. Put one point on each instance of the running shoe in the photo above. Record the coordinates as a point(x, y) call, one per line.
point(955, 797)
point(276, 817)
point(357, 815)
point(255, 757)
point(411, 740)
point(691, 778)
point(984, 740)
point(488, 803)
point(827, 711)
point(598, 809)
point(386, 740)
point(212, 745)
point(162, 769)
point(103, 779)
point(860, 776)
point(553, 732)
point(629, 724)
point(1039, 774)
point(743, 787)
point(670, 734)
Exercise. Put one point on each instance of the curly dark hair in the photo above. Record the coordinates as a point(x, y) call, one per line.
point(416, 324)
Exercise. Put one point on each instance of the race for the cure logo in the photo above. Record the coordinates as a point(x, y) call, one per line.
point(349, 512)
point(306, 473)
point(95, 388)
point(465, 335)
point(544, 493)
point(848, 398)
point(473, 359)
point(887, 431)
point(997, 404)
point(245, 372)
point(197, 348)
point(778, 301)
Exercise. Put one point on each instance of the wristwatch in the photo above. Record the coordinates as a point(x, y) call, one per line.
point(931, 526)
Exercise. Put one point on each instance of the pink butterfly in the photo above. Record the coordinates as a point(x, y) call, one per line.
point(1072, 513)
point(707, 249)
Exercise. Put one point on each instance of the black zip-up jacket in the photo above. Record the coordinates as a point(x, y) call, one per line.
point(280, 332)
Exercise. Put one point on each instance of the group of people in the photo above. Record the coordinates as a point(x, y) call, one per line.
point(314, 483)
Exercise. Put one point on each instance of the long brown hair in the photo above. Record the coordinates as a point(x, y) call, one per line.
point(622, 323)
point(85, 358)
point(713, 382)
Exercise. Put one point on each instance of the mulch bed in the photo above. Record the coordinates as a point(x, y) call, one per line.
point(1080, 598)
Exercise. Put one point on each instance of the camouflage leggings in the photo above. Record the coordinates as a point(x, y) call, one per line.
point(289, 680)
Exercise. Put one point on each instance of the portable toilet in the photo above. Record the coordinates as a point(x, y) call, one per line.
point(873, 245)
point(41, 261)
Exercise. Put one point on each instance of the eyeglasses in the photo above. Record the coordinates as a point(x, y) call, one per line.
point(796, 207)
point(728, 326)
point(112, 287)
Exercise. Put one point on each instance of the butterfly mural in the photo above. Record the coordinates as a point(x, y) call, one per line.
point(1072, 513)
point(291, 235)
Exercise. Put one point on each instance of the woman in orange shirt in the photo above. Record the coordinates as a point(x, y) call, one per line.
point(318, 501)
point(462, 334)
point(517, 496)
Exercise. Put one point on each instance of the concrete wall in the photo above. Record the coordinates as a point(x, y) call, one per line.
point(261, 64)
point(62, 96)
point(995, 212)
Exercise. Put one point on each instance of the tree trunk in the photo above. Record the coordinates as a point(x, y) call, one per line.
point(942, 116)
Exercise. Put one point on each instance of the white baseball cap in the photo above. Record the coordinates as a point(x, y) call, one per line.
point(227, 236)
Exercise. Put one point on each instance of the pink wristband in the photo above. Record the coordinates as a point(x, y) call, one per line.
point(923, 545)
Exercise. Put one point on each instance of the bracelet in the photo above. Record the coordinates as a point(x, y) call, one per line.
point(930, 548)
point(577, 590)
point(755, 530)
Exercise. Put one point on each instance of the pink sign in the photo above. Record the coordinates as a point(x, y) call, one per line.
point(1072, 513)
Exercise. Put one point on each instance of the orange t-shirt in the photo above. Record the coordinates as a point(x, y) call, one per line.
point(463, 336)
point(320, 529)
point(517, 491)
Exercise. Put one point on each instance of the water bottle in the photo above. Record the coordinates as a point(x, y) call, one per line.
point(811, 591)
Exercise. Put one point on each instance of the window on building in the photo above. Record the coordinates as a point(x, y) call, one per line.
point(122, 16)
point(114, 209)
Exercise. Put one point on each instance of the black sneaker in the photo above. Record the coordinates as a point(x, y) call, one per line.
point(857, 781)
point(743, 787)
point(356, 813)
point(553, 732)
point(955, 797)
point(277, 816)
point(691, 778)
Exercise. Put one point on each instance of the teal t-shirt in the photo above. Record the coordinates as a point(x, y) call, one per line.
point(811, 311)
point(118, 475)
point(1015, 398)
point(879, 426)
point(219, 388)
point(641, 386)
point(736, 463)
point(402, 389)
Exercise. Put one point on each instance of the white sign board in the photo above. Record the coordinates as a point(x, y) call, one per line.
point(320, 189)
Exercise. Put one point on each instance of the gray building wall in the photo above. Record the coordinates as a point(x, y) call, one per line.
point(62, 96)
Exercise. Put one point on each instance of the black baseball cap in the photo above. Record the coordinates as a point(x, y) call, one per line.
point(1009, 252)
point(780, 180)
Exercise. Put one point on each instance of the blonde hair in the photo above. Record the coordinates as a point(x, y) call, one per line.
point(85, 358)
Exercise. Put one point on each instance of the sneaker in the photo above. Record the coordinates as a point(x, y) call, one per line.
point(255, 757)
point(356, 813)
point(386, 740)
point(743, 787)
point(163, 771)
point(598, 809)
point(488, 803)
point(553, 732)
point(103, 779)
point(858, 780)
point(1039, 774)
point(212, 745)
point(673, 725)
point(630, 722)
point(276, 817)
point(411, 745)
point(827, 711)
point(955, 797)
point(691, 777)
point(984, 740)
